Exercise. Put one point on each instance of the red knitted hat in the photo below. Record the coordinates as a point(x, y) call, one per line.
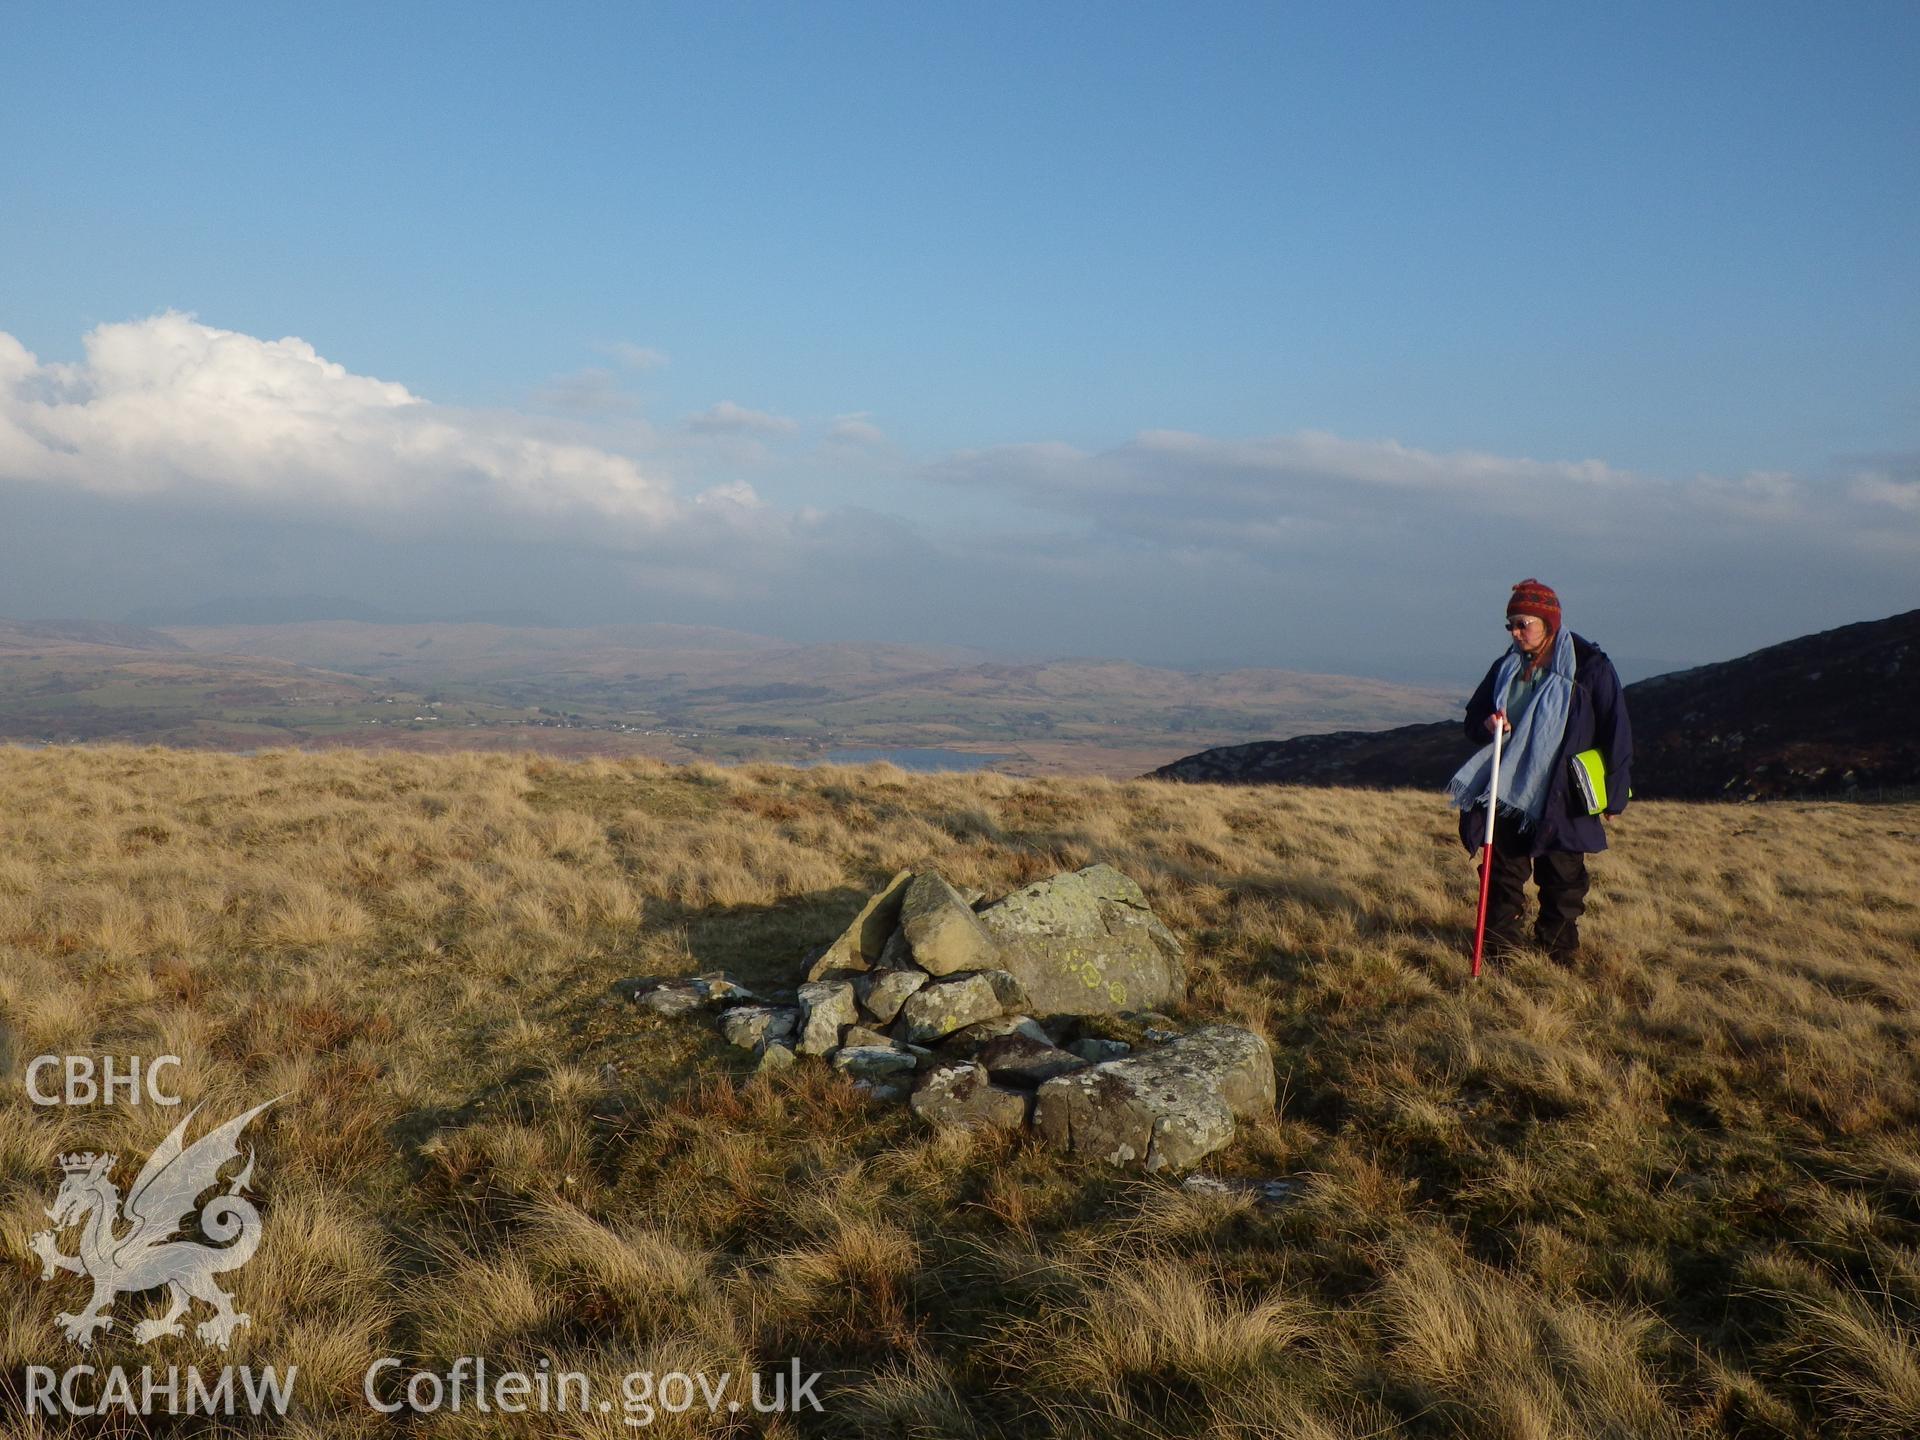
point(1530, 597)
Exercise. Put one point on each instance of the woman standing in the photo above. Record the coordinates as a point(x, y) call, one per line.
point(1559, 699)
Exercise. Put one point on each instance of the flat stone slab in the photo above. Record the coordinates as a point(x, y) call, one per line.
point(860, 945)
point(1276, 1192)
point(686, 994)
point(1087, 943)
point(1164, 1108)
point(966, 1043)
point(1022, 1061)
point(942, 931)
point(960, 1093)
point(873, 1062)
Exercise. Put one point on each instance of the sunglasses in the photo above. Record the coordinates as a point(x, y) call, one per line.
point(1520, 622)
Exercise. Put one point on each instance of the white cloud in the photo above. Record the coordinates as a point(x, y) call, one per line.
point(737, 493)
point(1290, 492)
point(1164, 476)
point(1238, 544)
point(1893, 482)
point(637, 357)
point(857, 429)
point(171, 409)
point(727, 418)
point(593, 391)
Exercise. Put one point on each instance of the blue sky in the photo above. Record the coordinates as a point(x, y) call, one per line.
point(1030, 316)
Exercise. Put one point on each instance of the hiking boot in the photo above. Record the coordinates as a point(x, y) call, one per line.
point(1562, 943)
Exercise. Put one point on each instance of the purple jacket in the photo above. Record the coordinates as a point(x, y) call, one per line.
point(1597, 717)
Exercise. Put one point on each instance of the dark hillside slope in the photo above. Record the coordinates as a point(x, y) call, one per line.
point(1826, 714)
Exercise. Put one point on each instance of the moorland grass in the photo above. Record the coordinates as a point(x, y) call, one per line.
point(1674, 1191)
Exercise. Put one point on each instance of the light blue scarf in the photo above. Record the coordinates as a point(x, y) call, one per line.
point(1527, 755)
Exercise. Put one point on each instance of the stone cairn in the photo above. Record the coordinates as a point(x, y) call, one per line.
point(931, 996)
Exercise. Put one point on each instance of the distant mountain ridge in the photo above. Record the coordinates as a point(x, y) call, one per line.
point(1826, 714)
point(85, 632)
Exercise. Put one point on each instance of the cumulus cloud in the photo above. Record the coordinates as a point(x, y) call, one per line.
point(184, 450)
point(172, 409)
point(727, 418)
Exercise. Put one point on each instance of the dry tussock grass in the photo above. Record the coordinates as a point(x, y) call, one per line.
point(1673, 1192)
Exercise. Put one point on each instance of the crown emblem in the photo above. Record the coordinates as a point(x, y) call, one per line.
point(82, 1162)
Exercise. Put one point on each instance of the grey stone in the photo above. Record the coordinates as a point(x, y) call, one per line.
point(891, 1091)
point(961, 1093)
point(1086, 943)
point(872, 1062)
point(859, 945)
point(775, 1056)
point(866, 1035)
point(1025, 1062)
point(676, 997)
point(896, 954)
point(967, 1042)
point(945, 1006)
point(684, 995)
point(1262, 1192)
point(1095, 1049)
point(723, 989)
point(882, 992)
point(674, 1000)
point(1164, 1108)
point(751, 1026)
point(946, 937)
point(826, 1008)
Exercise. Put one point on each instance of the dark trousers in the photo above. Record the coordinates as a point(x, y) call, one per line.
point(1562, 878)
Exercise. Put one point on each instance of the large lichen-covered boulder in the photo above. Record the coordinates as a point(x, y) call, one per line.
point(1164, 1108)
point(859, 946)
point(1086, 943)
point(943, 933)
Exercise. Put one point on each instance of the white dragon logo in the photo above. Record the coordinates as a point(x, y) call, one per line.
point(149, 1254)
